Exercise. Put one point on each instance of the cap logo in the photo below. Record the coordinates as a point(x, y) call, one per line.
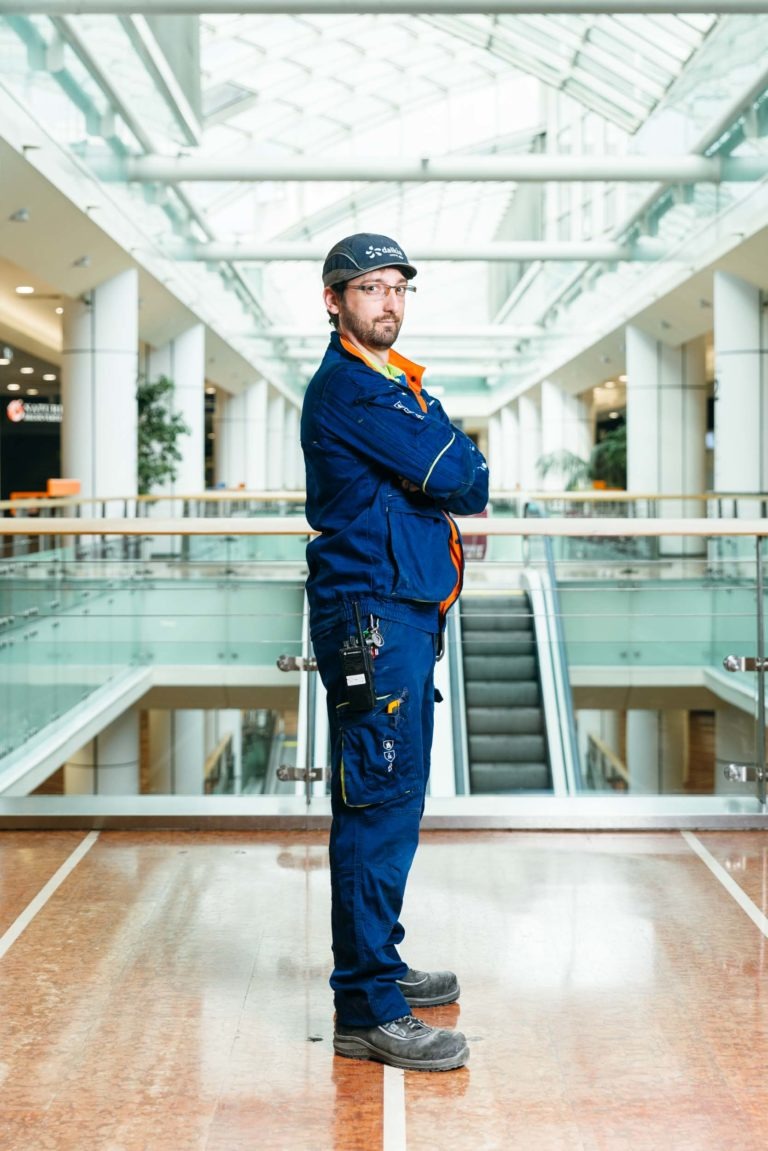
point(371, 252)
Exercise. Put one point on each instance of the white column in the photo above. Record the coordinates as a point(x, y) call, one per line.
point(98, 383)
point(666, 426)
point(182, 361)
point(255, 432)
point(529, 432)
point(188, 752)
point(509, 477)
point(495, 450)
point(291, 435)
point(741, 414)
point(109, 763)
point(565, 427)
point(643, 752)
point(229, 425)
point(275, 442)
point(188, 375)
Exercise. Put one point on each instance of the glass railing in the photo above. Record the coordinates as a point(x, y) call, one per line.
point(188, 618)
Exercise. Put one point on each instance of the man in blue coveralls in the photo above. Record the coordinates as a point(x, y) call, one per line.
point(385, 470)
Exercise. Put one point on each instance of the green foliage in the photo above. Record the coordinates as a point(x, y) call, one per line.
point(608, 461)
point(574, 470)
point(159, 429)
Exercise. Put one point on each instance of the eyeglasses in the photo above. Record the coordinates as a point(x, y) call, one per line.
point(379, 290)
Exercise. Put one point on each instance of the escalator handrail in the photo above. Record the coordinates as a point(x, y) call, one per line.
point(560, 658)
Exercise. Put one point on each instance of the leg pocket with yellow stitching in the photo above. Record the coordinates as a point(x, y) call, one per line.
point(377, 761)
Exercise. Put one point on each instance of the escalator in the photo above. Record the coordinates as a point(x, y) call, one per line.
point(506, 726)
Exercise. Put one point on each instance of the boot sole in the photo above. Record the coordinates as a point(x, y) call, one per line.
point(437, 1001)
point(351, 1048)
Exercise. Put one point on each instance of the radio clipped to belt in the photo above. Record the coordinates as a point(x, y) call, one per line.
point(357, 655)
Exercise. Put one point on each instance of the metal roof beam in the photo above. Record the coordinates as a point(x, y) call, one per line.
point(512, 250)
point(527, 168)
point(378, 7)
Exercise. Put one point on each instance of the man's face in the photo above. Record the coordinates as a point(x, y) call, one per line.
point(373, 321)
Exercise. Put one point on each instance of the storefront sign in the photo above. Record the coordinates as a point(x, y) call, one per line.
point(21, 410)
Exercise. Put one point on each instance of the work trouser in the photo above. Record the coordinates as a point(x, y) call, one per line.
point(380, 767)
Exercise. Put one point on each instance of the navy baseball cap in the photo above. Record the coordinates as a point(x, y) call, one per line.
point(355, 255)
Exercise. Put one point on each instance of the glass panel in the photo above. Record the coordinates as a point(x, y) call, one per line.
point(576, 667)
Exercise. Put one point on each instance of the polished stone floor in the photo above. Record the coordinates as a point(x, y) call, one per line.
point(171, 995)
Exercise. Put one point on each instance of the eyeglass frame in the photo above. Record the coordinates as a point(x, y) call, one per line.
point(381, 289)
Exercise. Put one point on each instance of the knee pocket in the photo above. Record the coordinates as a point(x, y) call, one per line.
point(377, 757)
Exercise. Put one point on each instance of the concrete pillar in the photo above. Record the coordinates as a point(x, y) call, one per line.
point(644, 752)
point(666, 428)
point(565, 427)
point(98, 383)
point(508, 478)
point(188, 375)
point(182, 361)
point(495, 450)
point(255, 416)
point(109, 763)
point(229, 422)
point(529, 441)
point(275, 442)
point(188, 752)
point(741, 414)
point(291, 436)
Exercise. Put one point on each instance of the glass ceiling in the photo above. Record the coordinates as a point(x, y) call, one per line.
point(404, 87)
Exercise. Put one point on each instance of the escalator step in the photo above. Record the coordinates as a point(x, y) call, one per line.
point(506, 749)
point(499, 667)
point(482, 693)
point(499, 643)
point(499, 620)
point(505, 721)
point(501, 778)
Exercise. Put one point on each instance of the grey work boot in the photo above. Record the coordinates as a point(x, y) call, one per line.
point(429, 988)
point(404, 1042)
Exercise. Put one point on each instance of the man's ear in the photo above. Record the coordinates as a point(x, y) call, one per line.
point(331, 301)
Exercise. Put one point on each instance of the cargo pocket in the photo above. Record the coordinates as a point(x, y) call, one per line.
point(376, 754)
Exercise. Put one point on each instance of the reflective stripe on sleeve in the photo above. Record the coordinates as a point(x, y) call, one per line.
point(435, 462)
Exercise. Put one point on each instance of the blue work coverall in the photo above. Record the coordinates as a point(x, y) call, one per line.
point(396, 554)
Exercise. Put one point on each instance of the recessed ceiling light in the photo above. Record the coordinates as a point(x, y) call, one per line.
point(25, 290)
point(59, 311)
point(613, 415)
point(27, 371)
point(20, 217)
point(32, 392)
point(210, 391)
point(622, 379)
point(610, 383)
point(49, 376)
point(4, 362)
point(14, 387)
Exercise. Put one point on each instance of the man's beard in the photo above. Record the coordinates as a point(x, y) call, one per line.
point(372, 333)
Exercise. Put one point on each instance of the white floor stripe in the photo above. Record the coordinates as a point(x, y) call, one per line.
point(730, 885)
point(30, 911)
point(394, 1109)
